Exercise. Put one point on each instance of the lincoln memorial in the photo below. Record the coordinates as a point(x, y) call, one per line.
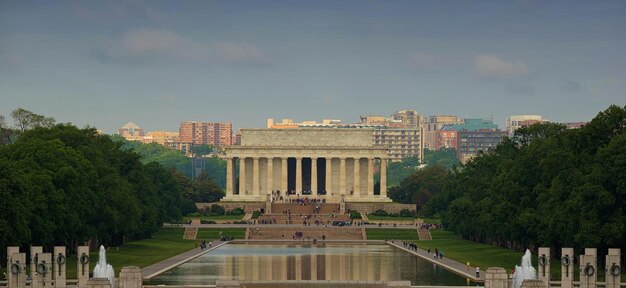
point(327, 163)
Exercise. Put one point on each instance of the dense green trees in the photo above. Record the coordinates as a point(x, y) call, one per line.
point(63, 185)
point(445, 157)
point(548, 186)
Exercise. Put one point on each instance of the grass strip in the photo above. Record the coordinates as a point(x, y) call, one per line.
point(390, 233)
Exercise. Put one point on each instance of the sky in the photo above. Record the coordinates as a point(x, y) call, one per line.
point(158, 63)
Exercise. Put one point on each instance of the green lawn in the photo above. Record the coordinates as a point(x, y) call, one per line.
point(463, 251)
point(374, 217)
point(214, 233)
point(389, 233)
point(165, 243)
point(221, 217)
point(432, 220)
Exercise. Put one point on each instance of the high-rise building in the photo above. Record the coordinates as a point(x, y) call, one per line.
point(477, 136)
point(514, 122)
point(434, 124)
point(217, 134)
point(131, 131)
point(408, 118)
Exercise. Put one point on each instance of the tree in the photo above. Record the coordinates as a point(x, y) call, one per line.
point(445, 157)
point(201, 149)
point(25, 120)
point(6, 133)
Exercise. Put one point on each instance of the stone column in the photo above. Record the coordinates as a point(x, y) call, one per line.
point(19, 259)
point(43, 277)
point(342, 176)
point(329, 175)
point(60, 261)
point(533, 283)
point(98, 283)
point(242, 176)
point(357, 178)
point(255, 176)
point(383, 177)
point(229, 177)
point(313, 176)
point(567, 271)
point(35, 252)
point(613, 273)
point(543, 267)
point(370, 176)
point(82, 266)
point(588, 269)
point(270, 175)
point(283, 176)
point(298, 175)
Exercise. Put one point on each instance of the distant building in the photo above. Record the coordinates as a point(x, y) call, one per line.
point(433, 125)
point(476, 136)
point(408, 118)
point(161, 137)
point(290, 124)
point(575, 125)
point(236, 138)
point(131, 131)
point(446, 137)
point(514, 122)
point(217, 134)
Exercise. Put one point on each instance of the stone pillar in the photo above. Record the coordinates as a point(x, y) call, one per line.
point(543, 265)
point(357, 178)
point(229, 177)
point(98, 283)
point(270, 175)
point(314, 176)
point(567, 267)
point(60, 263)
point(35, 252)
point(130, 277)
point(533, 283)
point(613, 271)
point(496, 277)
point(383, 177)
point(342, 176)
point(588, 269)
point(283, 176)
point(16, 268)
point(10, 251)
point(255, 176)
point(43, 267)
point(370, 176)
point(242, 176)
point(329, 175)
point(298, 175)
point(82, 266)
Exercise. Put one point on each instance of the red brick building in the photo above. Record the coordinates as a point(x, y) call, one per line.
point(217, 134)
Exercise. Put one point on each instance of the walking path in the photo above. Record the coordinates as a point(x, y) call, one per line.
point(160, 267)
point(449, 264)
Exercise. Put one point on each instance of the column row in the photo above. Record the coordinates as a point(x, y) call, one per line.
point(261, 176)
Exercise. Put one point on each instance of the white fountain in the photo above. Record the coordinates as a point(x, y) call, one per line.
point(103, 269)
point(526, 271)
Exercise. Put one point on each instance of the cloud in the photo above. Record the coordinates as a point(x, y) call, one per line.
point(491, 66)
point(573, 87)
point(141, 46)
point(238, 52)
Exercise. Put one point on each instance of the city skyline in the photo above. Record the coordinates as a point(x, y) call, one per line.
point(160, 63)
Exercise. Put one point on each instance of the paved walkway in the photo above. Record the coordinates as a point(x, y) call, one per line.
point(449, 264)
point(160, 267)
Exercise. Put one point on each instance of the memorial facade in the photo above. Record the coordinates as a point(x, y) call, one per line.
point(326, 163)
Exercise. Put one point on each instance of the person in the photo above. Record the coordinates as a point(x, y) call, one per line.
point(477, 272)
point(210, 244)
point(468, 265)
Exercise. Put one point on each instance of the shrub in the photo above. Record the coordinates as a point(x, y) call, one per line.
point(236, 211)
point(380, 212)
point(355, 215)
point(256, 214)
point(207, 221)
point(407, 213)
point(217, 210)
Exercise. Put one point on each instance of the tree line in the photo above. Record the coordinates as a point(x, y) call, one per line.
point(61, 185)
point(546, 186)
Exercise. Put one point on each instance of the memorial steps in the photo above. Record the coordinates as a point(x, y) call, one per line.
point(307, 233)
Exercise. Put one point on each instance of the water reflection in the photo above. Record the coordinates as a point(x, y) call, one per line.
point(309, 262)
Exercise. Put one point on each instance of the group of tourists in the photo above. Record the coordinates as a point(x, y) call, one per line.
point(410, 246)
point(203, 244)
point(437, 254)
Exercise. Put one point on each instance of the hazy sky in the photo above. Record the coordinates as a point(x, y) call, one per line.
point(157, 63)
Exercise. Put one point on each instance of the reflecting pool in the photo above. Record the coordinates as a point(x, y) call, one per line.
point(249, 262)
